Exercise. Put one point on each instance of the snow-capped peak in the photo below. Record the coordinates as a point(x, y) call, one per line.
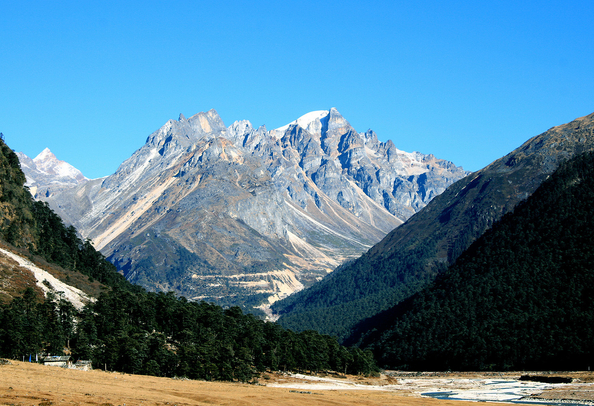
point(305, 120)
point(44, 155)
point(47, 163)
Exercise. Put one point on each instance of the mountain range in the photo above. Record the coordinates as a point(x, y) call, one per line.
point(244, 215)
point(412, 255)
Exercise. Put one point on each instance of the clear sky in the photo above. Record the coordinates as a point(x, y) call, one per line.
point(467, 81)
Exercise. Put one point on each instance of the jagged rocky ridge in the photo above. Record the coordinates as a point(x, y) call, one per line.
point(244, 215)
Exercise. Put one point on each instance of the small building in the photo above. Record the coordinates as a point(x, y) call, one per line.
point(57, 361)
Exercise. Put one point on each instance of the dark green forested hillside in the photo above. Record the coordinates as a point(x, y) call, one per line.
point(130, 330)
point(412, 255)
point(358, 290)
point(16, 219)
point(521, 297)
point(32, 225)
point(162, 335)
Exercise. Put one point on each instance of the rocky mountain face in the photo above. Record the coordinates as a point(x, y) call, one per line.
point(243, 215)
point(413, 254)
point(46, 174)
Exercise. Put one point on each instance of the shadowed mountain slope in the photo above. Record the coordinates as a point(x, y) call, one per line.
point(521, 297)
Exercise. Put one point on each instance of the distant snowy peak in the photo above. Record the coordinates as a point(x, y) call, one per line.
point(45, 155)
point(47, 163)
point(46, 174)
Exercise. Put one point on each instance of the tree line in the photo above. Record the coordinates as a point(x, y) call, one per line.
point(164, 335)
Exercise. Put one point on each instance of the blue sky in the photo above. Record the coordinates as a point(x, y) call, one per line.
point(468, 81)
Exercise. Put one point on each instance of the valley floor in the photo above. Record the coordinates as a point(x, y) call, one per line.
point(29, 383)
point(468, 386)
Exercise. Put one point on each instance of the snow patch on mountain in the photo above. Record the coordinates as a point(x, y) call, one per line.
point(305, 121)
point(75, 296)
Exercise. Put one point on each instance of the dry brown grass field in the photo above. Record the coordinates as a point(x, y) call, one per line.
point(23, 383)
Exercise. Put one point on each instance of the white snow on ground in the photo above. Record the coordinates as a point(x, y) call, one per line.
point(491, 390)
point(75, 296)
point(319, 383)
point(481, 390)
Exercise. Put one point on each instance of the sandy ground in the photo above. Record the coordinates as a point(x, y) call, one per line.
point(33, 384)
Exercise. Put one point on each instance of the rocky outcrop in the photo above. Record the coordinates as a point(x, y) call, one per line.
point(241, 215)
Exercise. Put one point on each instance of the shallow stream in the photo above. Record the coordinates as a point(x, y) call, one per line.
point(504, 391)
